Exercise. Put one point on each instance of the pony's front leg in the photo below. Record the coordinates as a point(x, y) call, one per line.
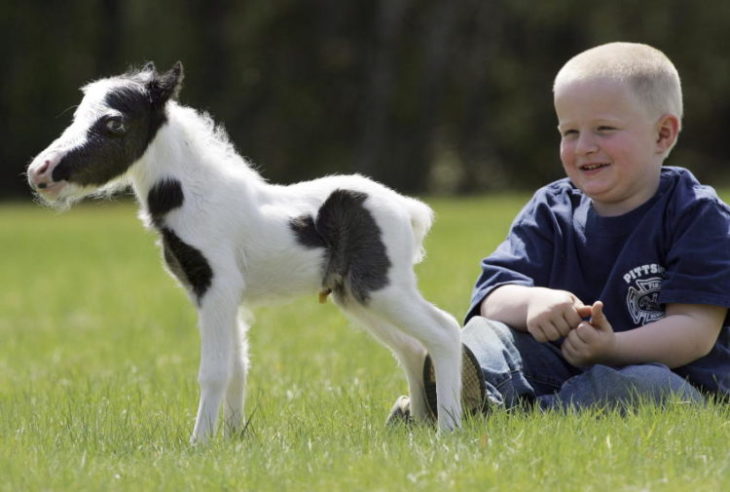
point(217, 322)
point(236, 392)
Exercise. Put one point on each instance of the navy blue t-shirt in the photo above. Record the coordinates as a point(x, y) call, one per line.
point(673, 249)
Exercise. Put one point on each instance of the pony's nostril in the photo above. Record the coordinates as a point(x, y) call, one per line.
point(42, 186)
point(44, 167)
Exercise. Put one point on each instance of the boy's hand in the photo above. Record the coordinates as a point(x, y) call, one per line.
point(592, 341)
point(553, 314)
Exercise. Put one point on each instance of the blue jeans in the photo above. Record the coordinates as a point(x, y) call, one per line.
point(519, 370)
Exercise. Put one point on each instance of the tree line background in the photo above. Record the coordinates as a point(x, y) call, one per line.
point(446, 96)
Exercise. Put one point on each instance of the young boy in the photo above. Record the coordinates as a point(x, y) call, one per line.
point(613, 283)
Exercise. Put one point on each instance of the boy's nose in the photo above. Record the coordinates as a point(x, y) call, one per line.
point(586, 145)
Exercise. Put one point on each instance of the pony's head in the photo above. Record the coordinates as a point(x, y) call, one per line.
point(112, 128)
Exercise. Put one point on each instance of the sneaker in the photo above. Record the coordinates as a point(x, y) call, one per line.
point(473, 391)
point(401, 412)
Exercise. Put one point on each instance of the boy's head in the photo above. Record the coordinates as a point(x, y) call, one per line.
point(647, 71)
point(619, 109)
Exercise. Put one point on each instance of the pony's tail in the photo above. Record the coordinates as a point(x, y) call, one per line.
point(421, 221)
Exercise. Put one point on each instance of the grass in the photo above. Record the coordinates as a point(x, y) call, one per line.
point(99, 353)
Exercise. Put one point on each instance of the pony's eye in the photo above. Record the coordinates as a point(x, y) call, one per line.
point(115, 126)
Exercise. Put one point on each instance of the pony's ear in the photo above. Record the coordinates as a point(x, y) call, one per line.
point(149, 67)
point(166, 86)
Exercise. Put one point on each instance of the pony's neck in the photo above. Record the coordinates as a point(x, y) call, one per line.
point(189, 148)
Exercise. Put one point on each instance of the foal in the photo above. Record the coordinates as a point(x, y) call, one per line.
point(231, 238)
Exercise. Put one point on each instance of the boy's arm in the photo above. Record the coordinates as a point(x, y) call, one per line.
point(687, 333)
point(547, 314)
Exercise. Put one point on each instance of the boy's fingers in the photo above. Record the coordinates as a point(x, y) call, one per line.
point(544, 332)
point(583, 332)
point(550, 331)
point(597, 307)
point(567, 349)
point(598, 319)
point(584, 311)
point(562, 326)
point(573, 318)
point(571, 348)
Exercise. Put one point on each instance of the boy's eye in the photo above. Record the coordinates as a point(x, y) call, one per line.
point(606, 128)
point(569, 133)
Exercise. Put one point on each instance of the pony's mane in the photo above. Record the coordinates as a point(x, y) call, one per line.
point(202, 124)
point(209, 134)
point(207, 138)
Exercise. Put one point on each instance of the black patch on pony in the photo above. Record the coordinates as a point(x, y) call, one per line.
point(108, 153)
point(187, 263)
point(356, 262)
point(306, 233)
point(164, 196)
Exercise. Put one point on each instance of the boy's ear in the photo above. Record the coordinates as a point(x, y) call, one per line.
point(166, 86)
point(668, 128)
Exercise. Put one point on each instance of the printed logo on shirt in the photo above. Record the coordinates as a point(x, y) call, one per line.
point(642, 298)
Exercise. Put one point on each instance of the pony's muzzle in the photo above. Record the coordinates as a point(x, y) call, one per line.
point(40, 174)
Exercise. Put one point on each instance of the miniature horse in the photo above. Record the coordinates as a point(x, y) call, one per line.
point(230, 238)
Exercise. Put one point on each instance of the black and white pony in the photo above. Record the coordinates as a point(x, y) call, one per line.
point(231, 238)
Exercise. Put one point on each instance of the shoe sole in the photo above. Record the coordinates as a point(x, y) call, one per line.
point(473, 389)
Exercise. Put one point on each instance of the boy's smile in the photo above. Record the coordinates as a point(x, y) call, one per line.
point(610, 146)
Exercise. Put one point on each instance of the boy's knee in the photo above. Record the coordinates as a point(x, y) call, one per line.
point(479, 329)
point(651, 383)
point(659, 383)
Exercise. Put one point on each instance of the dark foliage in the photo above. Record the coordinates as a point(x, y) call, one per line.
point(424, 95)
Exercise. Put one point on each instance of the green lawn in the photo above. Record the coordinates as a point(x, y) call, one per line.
point(98, 364)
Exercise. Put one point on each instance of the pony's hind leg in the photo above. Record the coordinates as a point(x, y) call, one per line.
point(409, 352)
point(439, 333)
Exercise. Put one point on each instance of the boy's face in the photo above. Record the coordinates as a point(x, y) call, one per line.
point(609, 144)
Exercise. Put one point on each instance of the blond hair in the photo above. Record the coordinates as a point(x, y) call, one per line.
point(648, 72)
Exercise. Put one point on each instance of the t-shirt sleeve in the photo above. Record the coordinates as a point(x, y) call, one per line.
point(698, 260)
point(524, 256)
